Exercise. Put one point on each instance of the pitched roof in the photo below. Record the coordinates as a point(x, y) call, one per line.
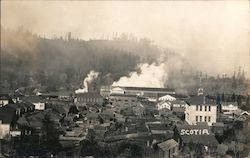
point(7, 114)
point(204, 139)
point(200, 100)
point(33, 99)
point(4, 97)
point(169, 144)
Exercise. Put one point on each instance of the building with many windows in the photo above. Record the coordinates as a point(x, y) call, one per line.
point(200, 109)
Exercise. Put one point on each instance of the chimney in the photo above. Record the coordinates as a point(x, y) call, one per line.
point(204, 100)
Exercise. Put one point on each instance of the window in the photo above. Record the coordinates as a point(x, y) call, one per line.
point(197, 107)
point(200, 108)
point(200, 118)
point(196, 118)
point(209, 108)
point(209, 118)
point(205, 108)
point(205, 118)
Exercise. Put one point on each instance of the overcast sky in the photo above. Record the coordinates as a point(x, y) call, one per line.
point(213, 34)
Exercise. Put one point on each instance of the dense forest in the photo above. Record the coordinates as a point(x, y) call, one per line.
point(33, 62)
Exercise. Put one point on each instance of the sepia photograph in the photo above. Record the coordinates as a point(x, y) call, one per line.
point(125, 79)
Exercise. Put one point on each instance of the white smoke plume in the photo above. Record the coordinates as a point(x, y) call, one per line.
point(150, 75)
point(90, 77)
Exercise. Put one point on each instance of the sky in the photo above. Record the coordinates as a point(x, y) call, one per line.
point(213, 35)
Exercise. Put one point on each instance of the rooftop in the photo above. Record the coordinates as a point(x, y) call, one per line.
point(89, 95)
point(7, 114)
point(169, 144)
point(200, 100)
point(197, 134)
point(149, 89)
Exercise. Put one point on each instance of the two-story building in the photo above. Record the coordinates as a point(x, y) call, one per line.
point(200, 109)
point(117, 99)
point(89, 98)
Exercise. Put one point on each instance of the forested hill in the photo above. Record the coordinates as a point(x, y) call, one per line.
point(29, 60)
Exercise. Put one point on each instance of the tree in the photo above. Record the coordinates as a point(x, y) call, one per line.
point(233, 98)
point(247, 102)
point(239, 101)
point(50, 137)
point(223, 97)
point(218, 99)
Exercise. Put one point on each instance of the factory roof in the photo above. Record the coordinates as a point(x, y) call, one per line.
point(89, 95)
point(123, 95)
point(149, 89)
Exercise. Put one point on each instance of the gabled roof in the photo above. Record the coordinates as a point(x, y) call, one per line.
point(200, 100)
point(167, 97)
point(169, 144)
point(178, 102)
point(92, 115)
point(229, 103)
point(33, 99)
point(7, 114)
point(204, 139)
point(4, 98)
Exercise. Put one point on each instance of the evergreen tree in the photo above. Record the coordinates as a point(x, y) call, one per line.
point(223, 97)
point(239, 101)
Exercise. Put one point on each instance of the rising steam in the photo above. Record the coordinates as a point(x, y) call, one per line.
point(90, 77)
point(150, 75)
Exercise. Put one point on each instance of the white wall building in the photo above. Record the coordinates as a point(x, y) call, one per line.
point(167, 98)
point(228, 108)
point(4, 101)
point(4, 129)
point(200, 109)
point(39, 105)
point(164, 105)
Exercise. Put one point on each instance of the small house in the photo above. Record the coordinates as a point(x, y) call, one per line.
point(168, 149)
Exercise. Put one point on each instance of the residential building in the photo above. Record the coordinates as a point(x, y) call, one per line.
point(178, 104)
point(4, 100)
point(167, 98)
point(200, 109)
point(7, 119)
point(196, 138)
point(38, 101)
point(228, 108)
point(168, 149)
point(164, 105)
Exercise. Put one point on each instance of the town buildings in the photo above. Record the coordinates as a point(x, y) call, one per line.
point(89, 98)
point(200, 109)
point(228, 108)
point(168, 149)
point(152, 93)
point(117, 99)
point(198, 139)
